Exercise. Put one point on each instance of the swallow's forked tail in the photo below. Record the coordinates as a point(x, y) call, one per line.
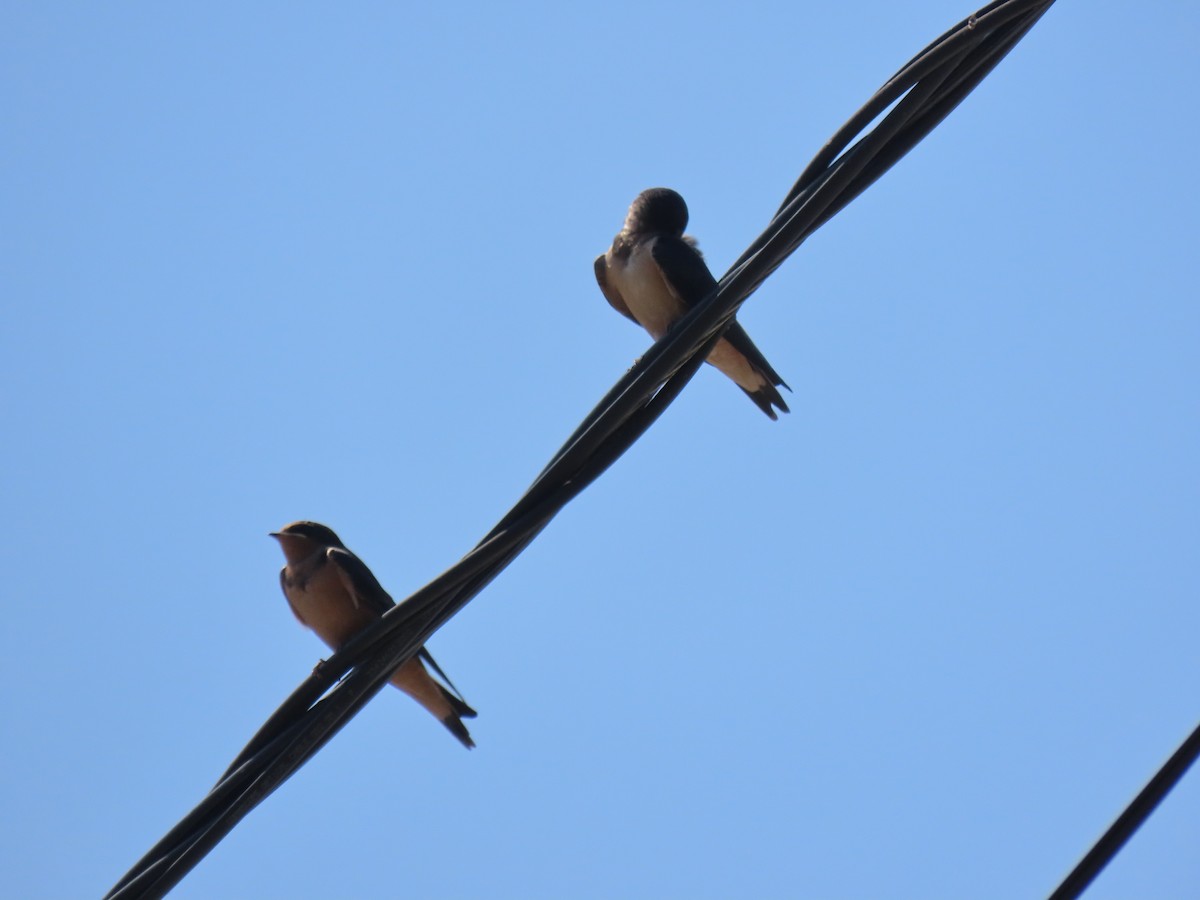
point(453, 722)
point(767, 397)
point(460, 709)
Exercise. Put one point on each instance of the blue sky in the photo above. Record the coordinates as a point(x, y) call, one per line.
point(924, 637)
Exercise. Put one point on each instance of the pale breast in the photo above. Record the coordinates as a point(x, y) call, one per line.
point(645, 293)
point(322, 603)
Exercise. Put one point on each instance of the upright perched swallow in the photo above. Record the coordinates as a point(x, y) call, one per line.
point(653, 274)
point(333, 592)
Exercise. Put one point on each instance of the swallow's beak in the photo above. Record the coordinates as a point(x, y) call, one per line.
point(274, 534)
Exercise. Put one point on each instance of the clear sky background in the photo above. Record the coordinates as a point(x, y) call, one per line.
point(924, 637)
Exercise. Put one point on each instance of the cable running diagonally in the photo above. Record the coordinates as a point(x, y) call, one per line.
point(920, 95)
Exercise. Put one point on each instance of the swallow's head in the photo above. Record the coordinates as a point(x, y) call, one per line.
point(659, 211)
point(299, 539)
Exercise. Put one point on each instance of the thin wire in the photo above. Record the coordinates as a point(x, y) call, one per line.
point(927, 89)
point(1130, 820)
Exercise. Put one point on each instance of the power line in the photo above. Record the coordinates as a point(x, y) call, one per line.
point(1130, 820)
point(923, 92)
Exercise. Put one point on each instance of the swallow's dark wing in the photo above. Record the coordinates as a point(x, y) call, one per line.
point(359, 581)
point(611, 294)
point(736, 335)
point(687, 275)
point(452, 695)
point(366, 590)
point(683, 269)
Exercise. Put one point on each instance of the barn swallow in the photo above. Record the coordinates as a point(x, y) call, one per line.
point(654, 274)
point(333, 592)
